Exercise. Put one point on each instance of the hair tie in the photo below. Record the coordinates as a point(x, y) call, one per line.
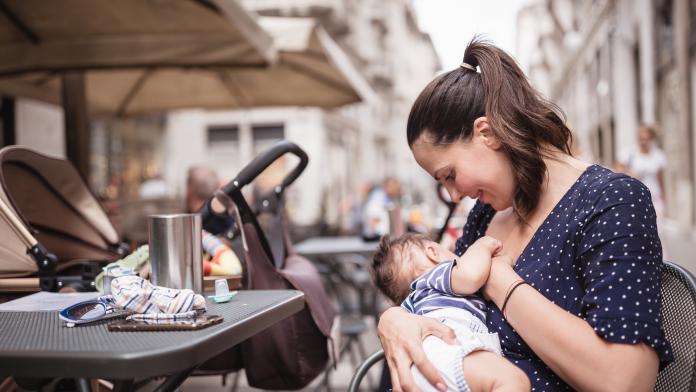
point(468, 66)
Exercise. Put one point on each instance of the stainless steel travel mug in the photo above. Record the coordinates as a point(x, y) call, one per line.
point(175, 251)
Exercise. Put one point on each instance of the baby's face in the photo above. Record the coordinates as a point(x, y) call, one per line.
point(423, 258)
point(444, 253)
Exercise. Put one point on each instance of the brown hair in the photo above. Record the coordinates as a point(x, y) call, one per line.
point(387, 263)
point(650, 130)
point(524, 122)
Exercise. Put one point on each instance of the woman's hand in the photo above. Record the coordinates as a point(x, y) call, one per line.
point(500, 278)
point(402, 335)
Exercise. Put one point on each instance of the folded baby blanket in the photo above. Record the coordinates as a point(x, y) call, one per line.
point(148, 301)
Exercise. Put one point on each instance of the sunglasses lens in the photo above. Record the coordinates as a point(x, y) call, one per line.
point(87, 311)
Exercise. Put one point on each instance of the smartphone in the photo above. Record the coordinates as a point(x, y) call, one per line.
point(166, 325)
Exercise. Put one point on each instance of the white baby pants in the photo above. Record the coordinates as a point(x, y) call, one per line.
point(472, 335)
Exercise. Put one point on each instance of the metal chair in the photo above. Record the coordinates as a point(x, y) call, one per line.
point(376, 357)
point(679, 321)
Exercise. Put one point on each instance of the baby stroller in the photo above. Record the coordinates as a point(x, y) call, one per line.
point(290, 354)
point(54, 232)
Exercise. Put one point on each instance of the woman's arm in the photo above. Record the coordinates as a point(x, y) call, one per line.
point(567, 343)
point(402, 334)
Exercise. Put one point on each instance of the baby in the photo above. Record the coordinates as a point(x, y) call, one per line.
point(429, 280)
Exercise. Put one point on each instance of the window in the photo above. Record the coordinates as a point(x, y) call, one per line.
point(223, 136)
point(266, 135)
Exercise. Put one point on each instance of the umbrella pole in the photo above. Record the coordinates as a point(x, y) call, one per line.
point(77, 132)
point(8, 121)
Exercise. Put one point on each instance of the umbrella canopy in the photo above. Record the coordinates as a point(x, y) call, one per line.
point(38, 35)
point(311, 71)
point(69, 37)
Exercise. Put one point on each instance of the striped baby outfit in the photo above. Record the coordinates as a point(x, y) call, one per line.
point(148, 301)
point(433, 290)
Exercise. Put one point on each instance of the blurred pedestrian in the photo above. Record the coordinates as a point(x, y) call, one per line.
point(382, 211)
point(220, 257)
point(646, 163)
point(153, 187)
point(201, 184)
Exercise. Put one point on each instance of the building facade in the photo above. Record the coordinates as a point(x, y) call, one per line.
point(613, 65)
point(348, 147)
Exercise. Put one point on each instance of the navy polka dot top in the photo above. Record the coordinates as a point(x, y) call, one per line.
point(597, 255)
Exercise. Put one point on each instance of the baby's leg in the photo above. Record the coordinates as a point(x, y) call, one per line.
point(446, 358)
point(485, 371)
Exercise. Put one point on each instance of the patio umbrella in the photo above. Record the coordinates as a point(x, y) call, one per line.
point(69, 37)
point(311, 71)
point(40, 35)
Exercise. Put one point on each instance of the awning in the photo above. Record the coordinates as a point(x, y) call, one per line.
point(311, 71)
point(41, 35)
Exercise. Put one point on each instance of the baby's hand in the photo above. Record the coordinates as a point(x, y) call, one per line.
point(486, 244)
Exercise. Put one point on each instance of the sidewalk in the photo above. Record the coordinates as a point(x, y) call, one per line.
point(679, 245)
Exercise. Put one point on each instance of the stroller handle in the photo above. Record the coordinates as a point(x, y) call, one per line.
point(451, 206)
point(261, 162)
point(439, 188)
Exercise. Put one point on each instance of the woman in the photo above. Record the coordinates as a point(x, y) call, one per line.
point(581, 304)
point(647, 163)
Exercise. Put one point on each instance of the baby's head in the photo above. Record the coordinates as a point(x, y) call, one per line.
point(398, 261)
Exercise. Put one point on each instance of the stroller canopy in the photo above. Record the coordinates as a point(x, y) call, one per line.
point(50, 199)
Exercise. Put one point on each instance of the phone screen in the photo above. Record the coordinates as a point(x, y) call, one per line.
point(166, 325)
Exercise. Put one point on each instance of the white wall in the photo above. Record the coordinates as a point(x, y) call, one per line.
point(40, 126)
point(185, 145)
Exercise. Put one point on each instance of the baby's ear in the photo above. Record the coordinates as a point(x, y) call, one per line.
point(431, 250)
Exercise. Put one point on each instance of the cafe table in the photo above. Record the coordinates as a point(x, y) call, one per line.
point(37, 344)
point(334, 246)
point(344, 260)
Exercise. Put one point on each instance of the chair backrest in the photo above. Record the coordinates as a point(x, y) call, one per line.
point(376, 357)
point(679, 321)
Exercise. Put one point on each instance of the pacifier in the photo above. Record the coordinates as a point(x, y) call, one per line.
point(222, 292)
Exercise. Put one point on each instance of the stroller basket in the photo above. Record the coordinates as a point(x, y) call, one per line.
point(49, 219)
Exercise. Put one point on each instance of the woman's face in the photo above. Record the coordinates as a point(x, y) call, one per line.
point(476, 168)
point(645, 138)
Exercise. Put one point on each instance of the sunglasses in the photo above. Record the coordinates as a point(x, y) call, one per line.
point(98, 309)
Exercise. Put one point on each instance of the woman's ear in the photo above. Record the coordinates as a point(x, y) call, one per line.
point(483, 130)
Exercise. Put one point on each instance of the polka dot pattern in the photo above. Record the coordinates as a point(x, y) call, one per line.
point(597, 255)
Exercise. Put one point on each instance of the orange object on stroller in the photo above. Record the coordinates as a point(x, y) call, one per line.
point(50, 222)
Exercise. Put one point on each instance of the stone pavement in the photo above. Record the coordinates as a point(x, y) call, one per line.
point(679, 245)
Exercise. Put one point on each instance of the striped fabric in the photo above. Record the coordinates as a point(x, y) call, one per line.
point(154, 302)
point(433, 291)
point(212, 244)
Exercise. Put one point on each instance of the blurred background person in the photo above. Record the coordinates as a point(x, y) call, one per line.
point(153, 187)
point(201, 184)
point(646, 163)
point(382, 211)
